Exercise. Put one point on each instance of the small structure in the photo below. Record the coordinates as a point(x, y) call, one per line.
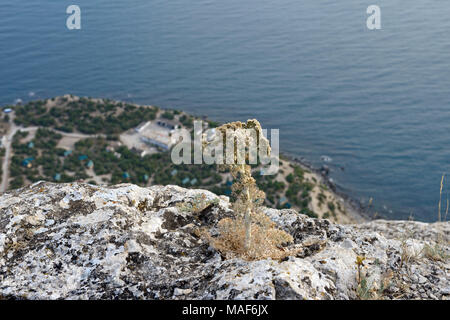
point(142, 126)
point(137, 151)
point(57, 177)
point(30, 144)
point(126, 175)
point(168, 124)
point(27, 162)
point(161, 133)
point(185, 180)
point(90, 164)
point(146, 177)
point(67, 153)
point(173, 172)
point(140, 152)
point(7, 110)
point(284, 202)
point(193, 181)
point(82, 157)
point(155, 142)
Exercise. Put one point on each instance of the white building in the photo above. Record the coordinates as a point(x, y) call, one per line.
point(160, 133)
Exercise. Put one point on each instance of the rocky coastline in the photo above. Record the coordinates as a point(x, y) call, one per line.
point(358, 209)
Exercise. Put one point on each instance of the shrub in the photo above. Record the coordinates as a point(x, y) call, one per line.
point(265, 239)
point(331, 206)
point(290, 178)
point(168, 115)
point(309, 213)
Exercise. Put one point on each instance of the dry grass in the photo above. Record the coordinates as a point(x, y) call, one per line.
point(266, 242)
point(435, 253)
point(440, 198)
point(371, 290)
point(439, 239)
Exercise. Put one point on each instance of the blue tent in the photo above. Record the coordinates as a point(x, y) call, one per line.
point(27, 161)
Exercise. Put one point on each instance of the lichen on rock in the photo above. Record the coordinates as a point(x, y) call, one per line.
point(79, 241)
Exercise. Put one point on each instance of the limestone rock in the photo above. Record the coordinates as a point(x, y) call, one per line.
point(79, 241)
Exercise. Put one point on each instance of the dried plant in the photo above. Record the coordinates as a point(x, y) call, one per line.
point(436, 252)
point(250, 234)
point(440, 197)
point(370, 289)
point(359, 263)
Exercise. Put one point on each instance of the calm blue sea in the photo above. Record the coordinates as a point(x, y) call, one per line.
point(376, 102)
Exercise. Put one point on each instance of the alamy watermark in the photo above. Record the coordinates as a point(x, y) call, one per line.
point(73, 21)
point(236, 146)
point(373, 22)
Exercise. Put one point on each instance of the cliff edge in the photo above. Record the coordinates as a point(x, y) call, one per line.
point(80, 241)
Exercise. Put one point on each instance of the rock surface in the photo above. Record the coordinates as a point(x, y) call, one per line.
point(79, 241)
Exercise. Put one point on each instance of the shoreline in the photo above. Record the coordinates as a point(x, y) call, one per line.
point(354, 206)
